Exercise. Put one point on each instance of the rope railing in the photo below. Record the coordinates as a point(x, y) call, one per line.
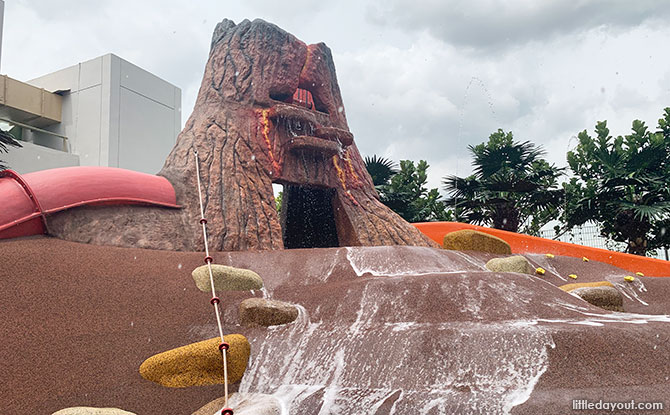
point(223, 346)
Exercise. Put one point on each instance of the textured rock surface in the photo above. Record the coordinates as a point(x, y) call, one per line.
point(515, 263)
point(245, 404)
point(469, 240)
point(249, 136)
point(570, 287)
point(385, 330)
point(608, 298)
point(87, 410)
point(262, 312)
point(198, 364)
point(226, 278)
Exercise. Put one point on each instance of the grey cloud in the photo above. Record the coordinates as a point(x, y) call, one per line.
point(498, 25)
point(411, 86)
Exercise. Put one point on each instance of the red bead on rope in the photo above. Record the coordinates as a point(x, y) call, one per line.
point(215, 300)
point(208, 259)
point(224, 346)
point(226, 411)
point(203, 221)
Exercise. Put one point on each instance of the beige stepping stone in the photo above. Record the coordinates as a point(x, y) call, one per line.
point(244, 404)
point(226, 279)
point(87, 410)
point(262, 312)
point(570, 287)
point(515, 263)
point(198, 363)
point(608, 298)
point(469, 240)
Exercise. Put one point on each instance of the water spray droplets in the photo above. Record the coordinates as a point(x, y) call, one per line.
point(466, 96)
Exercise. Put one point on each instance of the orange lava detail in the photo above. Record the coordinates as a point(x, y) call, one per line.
point(265, 121)
point(357, 181)
point(341, 175)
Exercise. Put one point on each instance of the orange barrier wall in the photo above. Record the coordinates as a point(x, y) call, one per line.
point(521, 243)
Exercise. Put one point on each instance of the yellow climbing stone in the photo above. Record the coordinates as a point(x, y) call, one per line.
point(471, 240)
point(573, 276)
point(575, 285)
point(639, 274)
point(629, 278)
point(540, 270)
point(549, 255)
point(198, 363)
point(585, 259)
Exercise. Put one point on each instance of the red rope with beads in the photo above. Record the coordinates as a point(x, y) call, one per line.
point(223, 346)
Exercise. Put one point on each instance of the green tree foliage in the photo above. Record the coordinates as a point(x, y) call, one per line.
point(512, 187)
point(404, 191)
point(278, 201)
point(6, 140)
point(623, 184)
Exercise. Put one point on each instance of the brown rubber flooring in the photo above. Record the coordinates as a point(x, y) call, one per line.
point(77, 321)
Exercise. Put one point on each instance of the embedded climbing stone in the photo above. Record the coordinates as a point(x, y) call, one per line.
point(515, 263)
point(87, 410)
point(226, 278)
point(262, 312)
point(608, 298)
point(198, 363)
point(570, 287)
point(244, 404)
point(469, 240)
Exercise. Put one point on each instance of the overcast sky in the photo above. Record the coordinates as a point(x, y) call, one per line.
point(419, 79)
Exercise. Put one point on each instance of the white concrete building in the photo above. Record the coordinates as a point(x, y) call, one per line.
point(113, 114)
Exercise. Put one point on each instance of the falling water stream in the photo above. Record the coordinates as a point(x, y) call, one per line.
point(424, 368)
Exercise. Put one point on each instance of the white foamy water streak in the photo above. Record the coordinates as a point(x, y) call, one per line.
point(630, 289)
point(391, 261)
point(420, 367)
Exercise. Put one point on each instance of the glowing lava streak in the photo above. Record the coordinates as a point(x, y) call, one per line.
point(265, 121)
point(351, 167)
point(343, 180)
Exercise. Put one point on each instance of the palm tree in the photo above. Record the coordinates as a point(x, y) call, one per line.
point(404, 190)
point(512, 186)
point(6, 139)
point(381, 169)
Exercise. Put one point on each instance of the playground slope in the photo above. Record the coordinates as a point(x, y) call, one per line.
point(436, 329)
point(526, 244)
point(28, 199)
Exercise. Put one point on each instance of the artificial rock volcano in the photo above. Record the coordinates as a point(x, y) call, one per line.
point(249, 133)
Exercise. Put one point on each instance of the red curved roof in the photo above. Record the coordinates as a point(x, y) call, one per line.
point(26, 200)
